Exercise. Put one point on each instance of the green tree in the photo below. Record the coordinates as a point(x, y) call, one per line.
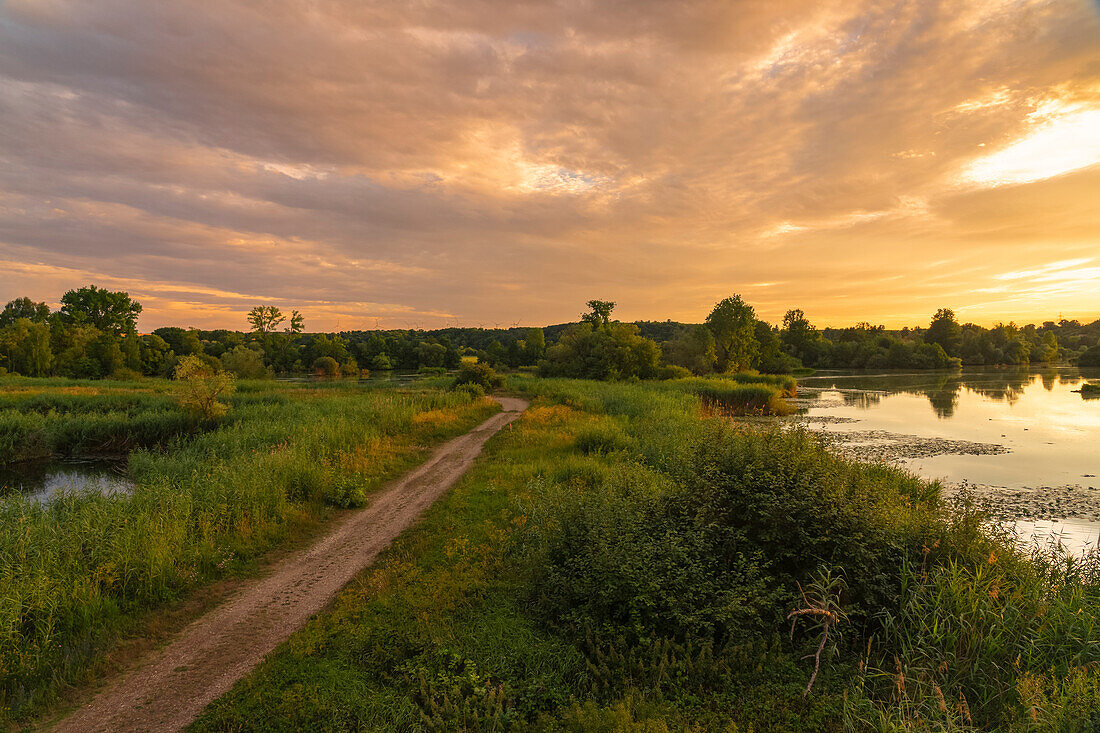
point(612, 352)
point(733, 324)
point(534, 346)
point(200, 386)
point(693, 349)
point(24, 308)
point(245, 362)
point(599, 313)
point(945, 331)
point(25, 348)
point(264, 319)
point(797, 332)
point(155, 356)
point(114, 312)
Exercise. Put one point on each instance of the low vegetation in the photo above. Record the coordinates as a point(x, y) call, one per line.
point(619, 562)
point(214, 489)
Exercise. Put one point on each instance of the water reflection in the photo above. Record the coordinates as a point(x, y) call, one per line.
point(942, 389)
point(39, 480)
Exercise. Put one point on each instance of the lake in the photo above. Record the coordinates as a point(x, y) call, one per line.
point(1022, 439)
point(39, 480)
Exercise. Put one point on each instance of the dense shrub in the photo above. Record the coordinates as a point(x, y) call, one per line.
point(672, 371)
point(621, 560)
point(326, 366)
point(200, 389)
point(608, 352)
point(480, 374)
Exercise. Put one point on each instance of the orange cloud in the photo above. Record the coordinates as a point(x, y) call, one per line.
point(494, 162)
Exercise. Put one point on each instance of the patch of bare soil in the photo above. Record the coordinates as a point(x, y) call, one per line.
point(173, 685)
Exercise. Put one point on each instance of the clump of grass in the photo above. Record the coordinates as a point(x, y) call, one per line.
point(604, 436)
point(735, 397)
point(1090, 390)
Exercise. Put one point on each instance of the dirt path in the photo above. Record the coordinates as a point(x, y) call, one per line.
point(174, 684)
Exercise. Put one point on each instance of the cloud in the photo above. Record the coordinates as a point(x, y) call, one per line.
point(492, 162)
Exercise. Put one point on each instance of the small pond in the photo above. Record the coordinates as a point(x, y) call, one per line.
point(39, 480)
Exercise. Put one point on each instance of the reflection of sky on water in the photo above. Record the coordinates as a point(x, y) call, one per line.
point(40, 480)
point(1076, 536)
point(1051, 431)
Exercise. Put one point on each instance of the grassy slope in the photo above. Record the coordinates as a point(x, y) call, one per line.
point(82, 571)
point(460, 626)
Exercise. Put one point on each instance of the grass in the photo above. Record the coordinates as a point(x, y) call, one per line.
point(616, 561)
point(81, 571)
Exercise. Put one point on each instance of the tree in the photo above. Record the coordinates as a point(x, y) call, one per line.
point(612, 352)
point(266, 318)
point(154, 356)
point(25, 348)
point(945, 331)
point(114, 312)
point(733, 324)
point(599, 313)
point(297, 322)
point(797, 332)
point(534, 346)
point(693, 349)
point(200, 386)
point(245, 363)
point(24, 308)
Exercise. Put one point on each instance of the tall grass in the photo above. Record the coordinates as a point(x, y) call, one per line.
point(623, 562)
point(77, 570)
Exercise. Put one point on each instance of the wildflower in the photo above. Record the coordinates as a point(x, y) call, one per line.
point(992, 557)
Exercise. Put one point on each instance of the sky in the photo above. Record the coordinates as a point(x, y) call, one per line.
point(500, 162)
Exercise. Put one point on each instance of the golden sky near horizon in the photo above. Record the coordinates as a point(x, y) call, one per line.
point(492, 162)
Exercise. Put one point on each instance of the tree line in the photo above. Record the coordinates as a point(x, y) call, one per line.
point(94, 334)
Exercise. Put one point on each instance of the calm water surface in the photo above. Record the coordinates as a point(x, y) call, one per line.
point(40, 480)
point(1052, 434)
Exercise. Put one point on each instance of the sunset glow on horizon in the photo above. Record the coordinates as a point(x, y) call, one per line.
point(489, 163)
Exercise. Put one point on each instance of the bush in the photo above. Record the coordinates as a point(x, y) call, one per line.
point(381, 363)
point(200, 387)
point(673, 371)
point(326, 366)
point(433, 370)
point(1089, 357)
point(623, 561)
point(480, 374)
point(470, 390)
point(245, 363)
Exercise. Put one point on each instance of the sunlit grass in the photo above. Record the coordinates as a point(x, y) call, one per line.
point(77, 571)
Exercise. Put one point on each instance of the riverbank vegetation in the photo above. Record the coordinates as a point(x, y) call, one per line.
point(94, 334)
point(620, 561)
point(212, 493)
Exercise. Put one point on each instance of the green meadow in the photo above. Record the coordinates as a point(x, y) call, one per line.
point(81, 572)
point(623, 558)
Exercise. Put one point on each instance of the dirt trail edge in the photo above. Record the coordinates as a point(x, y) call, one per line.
point(175, 683)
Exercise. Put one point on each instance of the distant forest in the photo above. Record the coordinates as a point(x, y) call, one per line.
point(94, 334)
